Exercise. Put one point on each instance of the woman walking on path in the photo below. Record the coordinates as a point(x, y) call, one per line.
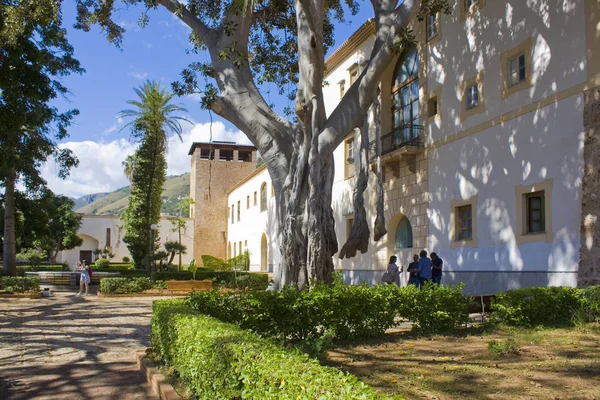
point(84, 280)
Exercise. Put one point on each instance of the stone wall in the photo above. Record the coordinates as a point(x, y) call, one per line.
point(210, 181)
point(589, 266)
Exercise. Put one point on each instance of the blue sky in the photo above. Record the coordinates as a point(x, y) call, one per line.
point(156, 52)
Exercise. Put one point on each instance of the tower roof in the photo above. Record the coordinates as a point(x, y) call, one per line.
point(220, 145)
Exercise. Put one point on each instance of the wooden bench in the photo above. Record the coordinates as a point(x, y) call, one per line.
point(188, 286)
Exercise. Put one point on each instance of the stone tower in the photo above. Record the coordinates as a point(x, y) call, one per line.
point(216, 167)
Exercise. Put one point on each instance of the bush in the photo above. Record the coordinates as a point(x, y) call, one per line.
point(18, 284)
point(591, 302)
point(233, 280)
point(248, 282)
point(349, 311)
point(173, 276)
point(34, 257)
point(21, 269)
point(102, 263)
point(214, 263)
point(129, 285)
point(125, 259)
point(219, 360)
point(537, 306)
point(433, 308)
point(505, 347)
point(124, 272)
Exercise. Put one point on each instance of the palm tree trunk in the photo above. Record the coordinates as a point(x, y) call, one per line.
point(9, 260)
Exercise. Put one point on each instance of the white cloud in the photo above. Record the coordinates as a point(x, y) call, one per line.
point(138, 75)
point(100, 163)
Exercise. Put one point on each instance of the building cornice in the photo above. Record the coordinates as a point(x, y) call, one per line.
point(350, 46)
point(220, 145)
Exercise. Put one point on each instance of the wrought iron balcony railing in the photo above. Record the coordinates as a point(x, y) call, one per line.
point(403, 136)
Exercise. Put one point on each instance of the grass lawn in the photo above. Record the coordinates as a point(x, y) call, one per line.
point(521, 364)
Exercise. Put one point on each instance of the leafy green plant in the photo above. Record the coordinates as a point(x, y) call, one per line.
point(21, 269)
point(19, 284)
point(591, 302)
point(33, 257)
point(129, 285)
point(102, 263)
point(537, 306)
point(125, 259)
point(503, 348)
point(221, 361)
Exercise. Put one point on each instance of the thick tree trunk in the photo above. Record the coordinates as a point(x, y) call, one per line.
point(9, 261)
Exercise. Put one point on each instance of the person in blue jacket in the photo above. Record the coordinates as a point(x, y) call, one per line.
point(424, 268)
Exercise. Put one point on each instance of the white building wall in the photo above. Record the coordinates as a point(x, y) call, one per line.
point(93, 232)
point(253, 223)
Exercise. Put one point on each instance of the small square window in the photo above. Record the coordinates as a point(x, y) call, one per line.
point(432, 27)
point(464, 227)
point(432, 107)
point(472, 93)
point(536, 211)
point(516, 70)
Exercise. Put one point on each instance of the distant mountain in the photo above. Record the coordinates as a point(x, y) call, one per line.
point(116, 202)
point(87, 199)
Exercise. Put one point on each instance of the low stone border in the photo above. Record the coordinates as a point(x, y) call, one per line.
point(156, 380)
point(30, 295)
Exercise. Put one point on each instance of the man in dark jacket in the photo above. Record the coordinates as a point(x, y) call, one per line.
point(436, 268)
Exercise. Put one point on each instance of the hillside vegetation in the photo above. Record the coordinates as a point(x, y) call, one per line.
point(115, 203)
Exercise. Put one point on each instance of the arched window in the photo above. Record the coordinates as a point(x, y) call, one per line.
point(263, 196)
point(404, 236)
point(405, 97)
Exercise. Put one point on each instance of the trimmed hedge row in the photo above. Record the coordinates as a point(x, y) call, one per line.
point(221, 361)
point(347, 311)
point(19, 284)
point(129, 285)
point(21, 269)
point(234, 280)
point(545, 306)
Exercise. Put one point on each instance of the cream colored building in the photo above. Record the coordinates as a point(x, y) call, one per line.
point(490, 147)
point(102, 231)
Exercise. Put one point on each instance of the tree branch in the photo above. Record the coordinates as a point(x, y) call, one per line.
point(207, 34)
point(353, 107)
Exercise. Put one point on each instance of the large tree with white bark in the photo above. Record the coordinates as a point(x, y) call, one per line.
point(284, 42)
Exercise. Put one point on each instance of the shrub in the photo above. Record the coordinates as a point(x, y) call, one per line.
point(591, 302)
point(248, 282)
point(214, 263)
point(349, 311)
point(173, 276)
point(505, 347)
point(537, 306)
point(125, 259)
point(433, 308)
point(18, 284)
point(102, 263)
point(21, 269)
point(31, 256)
point(220, 360)
point(129, 285)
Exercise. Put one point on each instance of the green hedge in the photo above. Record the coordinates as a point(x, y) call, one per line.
point(123, 272)
point(129, 285)
point(234, 280)
point(591, 302)
point(537, 306)
point(21, 269)
point(349, 311)
point(19, 284)
point(221, 361)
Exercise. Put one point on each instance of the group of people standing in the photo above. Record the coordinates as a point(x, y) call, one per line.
point(422, 269)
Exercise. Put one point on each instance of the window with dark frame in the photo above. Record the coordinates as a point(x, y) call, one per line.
point(107, 237)
point(536, 210)
point(239, 210)
point(263, 197)
point(472, 93)
point(349, 164)
point(248, 201)
point(349, 223)
point(255, 199)
point(432, 26)
point(405, 97)
point(517, 71)
point(464, 225)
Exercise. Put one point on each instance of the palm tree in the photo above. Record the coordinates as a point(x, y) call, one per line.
point(152, 119)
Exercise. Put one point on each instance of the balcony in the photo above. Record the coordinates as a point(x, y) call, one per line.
point(403, 143)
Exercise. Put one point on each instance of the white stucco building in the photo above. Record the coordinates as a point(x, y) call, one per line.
point(483, 148)
point(101, 231)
